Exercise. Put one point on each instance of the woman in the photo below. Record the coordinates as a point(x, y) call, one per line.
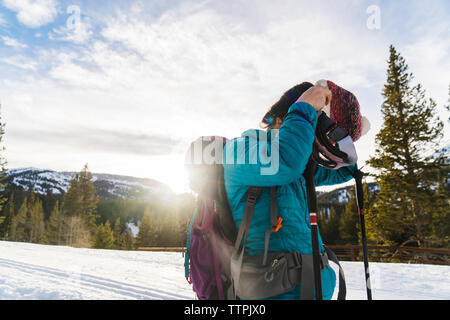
point(294, 117)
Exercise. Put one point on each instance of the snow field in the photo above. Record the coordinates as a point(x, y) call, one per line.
point(39, 272)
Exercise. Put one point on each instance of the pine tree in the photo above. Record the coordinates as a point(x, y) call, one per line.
point(37, 231)
point(117, 233)
point(170, 233)
point(410, 130)
point(146, 237)
point(54, 226)
point(322, 222)
point(333, 233)
point(3, 163)
point(89, 199)
point(72, 202)
point(349, 223)
point(6, 225)
point(126, 241)
point(18, 226)
point(104, 237)
point(80, 204)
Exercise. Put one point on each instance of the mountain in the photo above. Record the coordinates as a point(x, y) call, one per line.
point(108, 186)
point(341, 196)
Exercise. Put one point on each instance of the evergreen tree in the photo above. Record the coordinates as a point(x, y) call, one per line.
point(126, 241)
point(104, 237)
point(441, 216)
point(7, 224)
point(117, 233)
point(79, 205)
point(72, 202)
point(54, 226)
point(322, 223)
point(410, 130)
point(18, 232)
point(146, 236)
point(3, 163)
point(170, 234)
point(28, 225)
point(89, 199)
point(37, 229)
point(349, 222)
point(332, 228)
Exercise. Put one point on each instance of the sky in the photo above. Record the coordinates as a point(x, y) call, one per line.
point(125, 86)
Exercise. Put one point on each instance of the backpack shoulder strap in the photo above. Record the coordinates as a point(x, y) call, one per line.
point(253, 195)
point(274, 221)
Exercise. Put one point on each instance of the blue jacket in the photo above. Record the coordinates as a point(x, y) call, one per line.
point(245, 166)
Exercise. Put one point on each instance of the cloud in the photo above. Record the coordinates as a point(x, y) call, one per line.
point(85, 139)
point(35, 13)
point(11, 42)
point(21, 62)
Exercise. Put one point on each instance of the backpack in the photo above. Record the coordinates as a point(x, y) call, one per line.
point(215, 263)
point(212, 230)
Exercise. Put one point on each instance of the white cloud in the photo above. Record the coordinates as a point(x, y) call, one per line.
point(20, 62)
point(33, 13)
point(11, 42)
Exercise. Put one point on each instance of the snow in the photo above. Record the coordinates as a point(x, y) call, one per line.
point(343, 196)
point(30, 271)
point(58, 182)
point(134, 228)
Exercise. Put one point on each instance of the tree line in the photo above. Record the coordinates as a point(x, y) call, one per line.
point(81, 219)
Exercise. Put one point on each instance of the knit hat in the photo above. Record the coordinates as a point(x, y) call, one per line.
point(344, 110)
point(281, 108)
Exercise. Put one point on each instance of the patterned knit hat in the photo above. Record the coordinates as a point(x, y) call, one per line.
point(344, 110)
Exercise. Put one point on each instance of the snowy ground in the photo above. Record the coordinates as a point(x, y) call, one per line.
point(29, 271)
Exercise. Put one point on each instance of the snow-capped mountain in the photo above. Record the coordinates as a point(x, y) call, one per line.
point(342, 195)
point(108, 186)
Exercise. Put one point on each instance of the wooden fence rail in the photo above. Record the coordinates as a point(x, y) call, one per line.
point(163, 249)
point(393, 254)
point(376, 253)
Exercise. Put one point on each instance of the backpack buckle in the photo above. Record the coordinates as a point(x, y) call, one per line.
point(252, 198)
point(253, 194)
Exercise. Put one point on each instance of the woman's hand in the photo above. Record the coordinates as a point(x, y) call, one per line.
point(316, 96)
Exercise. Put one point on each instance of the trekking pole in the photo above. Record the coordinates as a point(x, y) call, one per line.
point(312, 206)
point(358, 175)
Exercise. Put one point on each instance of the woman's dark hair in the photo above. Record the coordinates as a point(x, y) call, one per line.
point(281, 108)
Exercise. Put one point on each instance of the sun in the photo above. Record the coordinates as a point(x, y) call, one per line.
point(170, 170)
